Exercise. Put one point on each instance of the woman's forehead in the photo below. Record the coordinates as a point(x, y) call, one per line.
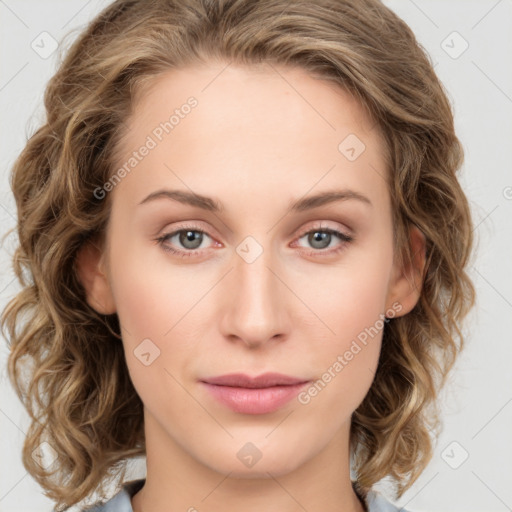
point(273, 128)
point(258, 90)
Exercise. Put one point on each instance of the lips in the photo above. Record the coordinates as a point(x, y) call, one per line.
point(254, 395)
point(266, 380)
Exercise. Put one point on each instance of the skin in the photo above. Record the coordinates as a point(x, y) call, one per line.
point(255, 144)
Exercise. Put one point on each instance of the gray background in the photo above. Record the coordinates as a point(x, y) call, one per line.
point(472, 466)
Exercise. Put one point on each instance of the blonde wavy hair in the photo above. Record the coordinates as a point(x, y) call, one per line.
point(64, 362)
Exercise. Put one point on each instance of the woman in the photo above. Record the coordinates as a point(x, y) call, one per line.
point(246, 245)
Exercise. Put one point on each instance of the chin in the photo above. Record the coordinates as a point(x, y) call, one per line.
point(249, 462)
point(259, 471)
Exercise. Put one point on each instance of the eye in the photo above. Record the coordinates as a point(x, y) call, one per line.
point(320, 239)
point(190, 238)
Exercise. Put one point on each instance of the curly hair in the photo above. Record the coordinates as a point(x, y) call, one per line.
point(67, 371)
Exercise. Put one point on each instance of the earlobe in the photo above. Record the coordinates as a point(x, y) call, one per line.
point(407, 281)
point(91, 272)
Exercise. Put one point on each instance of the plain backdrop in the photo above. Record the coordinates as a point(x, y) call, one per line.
point(470, 43)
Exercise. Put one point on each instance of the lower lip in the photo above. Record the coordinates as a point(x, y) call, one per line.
point(254, 401)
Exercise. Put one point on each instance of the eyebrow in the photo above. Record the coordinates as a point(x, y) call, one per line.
point(213, 205)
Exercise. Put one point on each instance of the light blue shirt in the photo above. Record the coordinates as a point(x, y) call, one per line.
point(121, 502)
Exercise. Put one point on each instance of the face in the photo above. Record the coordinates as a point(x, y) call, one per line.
point(256, 276)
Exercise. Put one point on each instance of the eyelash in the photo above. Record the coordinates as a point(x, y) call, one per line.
point(194, 252)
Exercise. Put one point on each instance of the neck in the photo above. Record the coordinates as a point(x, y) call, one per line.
point(176, 480)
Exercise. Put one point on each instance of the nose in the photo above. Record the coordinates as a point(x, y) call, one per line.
point(257, 306)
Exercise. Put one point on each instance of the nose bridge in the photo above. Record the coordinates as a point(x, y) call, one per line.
point(256, 304)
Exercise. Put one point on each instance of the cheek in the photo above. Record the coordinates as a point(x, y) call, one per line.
point(347, 299)
point(346, 360)
point(350, 300)
point(156, 302)
point(151, 293)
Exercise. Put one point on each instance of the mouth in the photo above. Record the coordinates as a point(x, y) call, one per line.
point(254, 395)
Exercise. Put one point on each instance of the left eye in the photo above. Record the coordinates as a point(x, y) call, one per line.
point(321, 238)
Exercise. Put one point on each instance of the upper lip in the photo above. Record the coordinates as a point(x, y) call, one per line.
point(265, 380)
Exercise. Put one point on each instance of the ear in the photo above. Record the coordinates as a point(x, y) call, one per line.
point(91, 271)
point(407, 279)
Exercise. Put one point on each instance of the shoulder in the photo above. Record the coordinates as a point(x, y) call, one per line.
point(376, 502)
point(121, 502)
